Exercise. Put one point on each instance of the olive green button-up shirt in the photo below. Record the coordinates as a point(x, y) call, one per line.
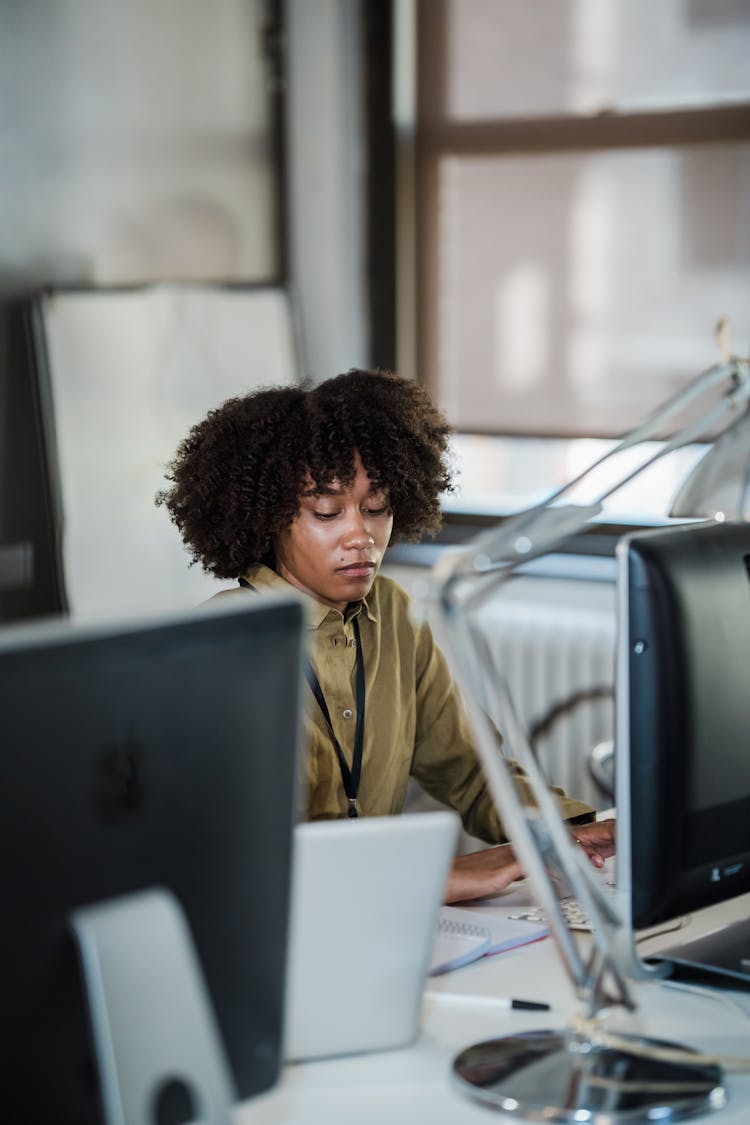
point(414, 722)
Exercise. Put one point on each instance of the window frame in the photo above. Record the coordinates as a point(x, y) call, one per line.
point(418, 28)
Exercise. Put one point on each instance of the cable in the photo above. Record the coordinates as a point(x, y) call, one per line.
point(710, 993)
point(559, 710)
point(595, 1034)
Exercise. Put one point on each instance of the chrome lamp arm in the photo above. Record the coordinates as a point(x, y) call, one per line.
point(462, 579)
point(460, 582)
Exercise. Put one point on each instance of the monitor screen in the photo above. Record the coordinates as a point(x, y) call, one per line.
point(683, 719)
point(153, 754)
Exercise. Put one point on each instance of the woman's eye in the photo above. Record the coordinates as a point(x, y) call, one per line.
point(381, 511)
point(325, 515)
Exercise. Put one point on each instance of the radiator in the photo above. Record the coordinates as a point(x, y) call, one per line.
point(554, 641)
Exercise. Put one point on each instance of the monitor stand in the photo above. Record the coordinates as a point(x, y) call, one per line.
point(156, 1041)
point(720, 957)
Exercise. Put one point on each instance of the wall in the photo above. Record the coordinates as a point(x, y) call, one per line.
point(135, 142)
point(138, 146)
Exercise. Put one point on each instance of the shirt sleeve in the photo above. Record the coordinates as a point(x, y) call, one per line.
point(445, 762)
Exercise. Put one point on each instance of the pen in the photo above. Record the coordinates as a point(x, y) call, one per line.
point(469, 1001)
point(527, 1005)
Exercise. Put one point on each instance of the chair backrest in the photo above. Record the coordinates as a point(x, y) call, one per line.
point(116, 378)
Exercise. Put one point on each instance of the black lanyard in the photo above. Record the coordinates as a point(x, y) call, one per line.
point(349, 777)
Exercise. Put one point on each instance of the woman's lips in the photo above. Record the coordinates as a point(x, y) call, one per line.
point(357, 570)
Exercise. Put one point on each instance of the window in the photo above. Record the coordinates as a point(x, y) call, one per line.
point(583, 221)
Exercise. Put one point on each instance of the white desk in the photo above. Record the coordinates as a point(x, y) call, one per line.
point(414, 1086)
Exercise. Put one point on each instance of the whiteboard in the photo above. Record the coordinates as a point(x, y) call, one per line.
point(130, 372)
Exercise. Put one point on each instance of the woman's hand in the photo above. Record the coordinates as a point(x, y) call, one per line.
point(488, 872)
point(597, 839)
point(480, 874)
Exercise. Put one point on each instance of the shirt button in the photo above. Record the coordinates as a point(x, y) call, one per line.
point(347, 713)
point(351, 643)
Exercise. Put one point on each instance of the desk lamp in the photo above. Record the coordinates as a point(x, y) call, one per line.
point(720, 482)
point(583, 1072)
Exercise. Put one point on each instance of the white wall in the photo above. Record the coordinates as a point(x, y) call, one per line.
point(134, 142)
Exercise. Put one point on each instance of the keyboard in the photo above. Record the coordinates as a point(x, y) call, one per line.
point(571, 909)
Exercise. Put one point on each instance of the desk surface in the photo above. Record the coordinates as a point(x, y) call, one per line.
point(414, 1085)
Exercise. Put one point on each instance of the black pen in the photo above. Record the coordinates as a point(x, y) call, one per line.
point(468, 1001)
point(526, 1005)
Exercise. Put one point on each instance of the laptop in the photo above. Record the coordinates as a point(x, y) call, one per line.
point(365, 899)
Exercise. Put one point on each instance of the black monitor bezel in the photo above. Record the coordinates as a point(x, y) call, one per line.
point(214, 825)
point(683, 591)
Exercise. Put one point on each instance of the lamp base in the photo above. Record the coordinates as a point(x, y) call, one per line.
point(557, 1076)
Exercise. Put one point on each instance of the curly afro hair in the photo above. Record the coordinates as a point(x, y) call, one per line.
point(238, 476)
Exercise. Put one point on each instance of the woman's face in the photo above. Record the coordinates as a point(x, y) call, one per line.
point(334, 547)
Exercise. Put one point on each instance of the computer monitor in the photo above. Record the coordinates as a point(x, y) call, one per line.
point(161, 753)
point(683, 720)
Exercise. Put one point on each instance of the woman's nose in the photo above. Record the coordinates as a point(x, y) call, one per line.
point(358, 534)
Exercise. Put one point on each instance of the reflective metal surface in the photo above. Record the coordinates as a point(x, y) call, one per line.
point(555, 1076)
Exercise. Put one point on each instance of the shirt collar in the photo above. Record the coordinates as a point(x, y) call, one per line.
point(263, 578)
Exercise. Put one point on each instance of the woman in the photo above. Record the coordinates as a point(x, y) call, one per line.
point(304, 487)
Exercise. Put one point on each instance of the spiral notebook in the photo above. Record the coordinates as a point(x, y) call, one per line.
point(464, 936)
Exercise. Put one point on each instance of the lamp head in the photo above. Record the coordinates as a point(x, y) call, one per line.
point(719, 485)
